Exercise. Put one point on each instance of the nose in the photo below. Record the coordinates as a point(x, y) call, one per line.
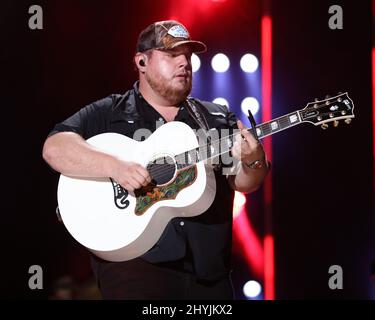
point(183, 61)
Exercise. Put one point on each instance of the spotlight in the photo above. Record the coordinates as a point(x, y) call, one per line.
point(238, 203)
point(249, 63)
point(251, 104)
point(252, 289)
point(220, 62)
point(195, 62)
point(221, 101)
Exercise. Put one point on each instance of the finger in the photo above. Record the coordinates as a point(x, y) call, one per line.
point(238, 138)
point(144, 173)
point(140, 179)
point(235, 153)
point(237, 150)
point(128, 187)
point(240, 125)
point(242, 144)
point(245, 134)
point(134, 183)
point(249, 137)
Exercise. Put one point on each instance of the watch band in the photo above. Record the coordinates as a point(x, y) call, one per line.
point(257, 164)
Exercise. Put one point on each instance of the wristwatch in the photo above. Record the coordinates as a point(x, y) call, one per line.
point(257, 164)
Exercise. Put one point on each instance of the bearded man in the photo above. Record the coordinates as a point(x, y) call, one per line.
point(191, 259)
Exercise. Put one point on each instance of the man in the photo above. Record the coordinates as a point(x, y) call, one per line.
point(191, 260)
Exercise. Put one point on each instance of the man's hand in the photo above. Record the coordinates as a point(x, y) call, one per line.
point(246, 148)
point(130, 175)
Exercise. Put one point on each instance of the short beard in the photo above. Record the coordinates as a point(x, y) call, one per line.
point(173, 96)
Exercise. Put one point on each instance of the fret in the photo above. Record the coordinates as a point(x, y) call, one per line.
point(266, 128)
point(277, 124)
point(284, 122)
point(274, 125)
point(313, 113)
point(223, 145)
point(293, 118)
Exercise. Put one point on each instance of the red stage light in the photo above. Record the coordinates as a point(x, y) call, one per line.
point(247, 237)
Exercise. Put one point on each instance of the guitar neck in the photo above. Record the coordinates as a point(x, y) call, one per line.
point(319, 112)
point(221, 146)
point(278, 124)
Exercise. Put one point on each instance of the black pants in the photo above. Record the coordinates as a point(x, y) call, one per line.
point(140, 280)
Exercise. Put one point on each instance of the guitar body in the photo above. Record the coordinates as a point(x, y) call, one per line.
point(116, 225)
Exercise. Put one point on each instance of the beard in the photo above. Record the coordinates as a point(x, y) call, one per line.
point(175, 94)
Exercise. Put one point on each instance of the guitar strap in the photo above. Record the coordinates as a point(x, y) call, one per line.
point(200, 119)
point(198, 116)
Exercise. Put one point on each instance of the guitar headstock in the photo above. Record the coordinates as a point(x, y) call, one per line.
point(333, 109)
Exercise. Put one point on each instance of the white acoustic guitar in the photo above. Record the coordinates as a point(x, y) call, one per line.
point(117, 226)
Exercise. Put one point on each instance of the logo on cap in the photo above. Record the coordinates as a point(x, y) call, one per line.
point(178, 32)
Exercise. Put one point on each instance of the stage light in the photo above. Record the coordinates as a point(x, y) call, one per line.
point(251, 104)
point(238, 203)
point(252, 289)
point(221, 101)
point(195, 62)
point(249, 63)
point(220, 62)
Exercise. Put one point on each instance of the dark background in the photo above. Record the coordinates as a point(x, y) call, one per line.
point(322, 180)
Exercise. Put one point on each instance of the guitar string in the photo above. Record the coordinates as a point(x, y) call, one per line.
point(284, 120)
point(159, 172)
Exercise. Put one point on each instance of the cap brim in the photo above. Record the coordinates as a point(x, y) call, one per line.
point(197, 46)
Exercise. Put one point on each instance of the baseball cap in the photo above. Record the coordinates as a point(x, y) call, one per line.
point(167, 34)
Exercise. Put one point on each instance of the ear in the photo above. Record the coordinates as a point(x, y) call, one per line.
point(140, 61)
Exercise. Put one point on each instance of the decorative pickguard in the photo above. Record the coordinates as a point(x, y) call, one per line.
point(183, 179)
point(120, 195)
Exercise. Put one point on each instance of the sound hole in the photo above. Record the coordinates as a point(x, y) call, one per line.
point(162, 170)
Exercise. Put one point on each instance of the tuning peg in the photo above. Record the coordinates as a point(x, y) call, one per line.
point(335, 123)
point(324, 126)
point(348, 120)
point(327, 98)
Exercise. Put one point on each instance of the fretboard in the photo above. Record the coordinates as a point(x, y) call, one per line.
point(221, 146)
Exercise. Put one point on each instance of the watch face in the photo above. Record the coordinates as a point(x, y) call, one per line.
point(257, 165)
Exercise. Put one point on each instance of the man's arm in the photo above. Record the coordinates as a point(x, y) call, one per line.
point(247, 180)
point(248, 150)
point(70, 154)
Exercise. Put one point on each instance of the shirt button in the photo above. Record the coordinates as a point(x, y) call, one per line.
point(182, 223)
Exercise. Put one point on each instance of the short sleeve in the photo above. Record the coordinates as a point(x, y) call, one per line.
point(88, 121)
point(231, 119)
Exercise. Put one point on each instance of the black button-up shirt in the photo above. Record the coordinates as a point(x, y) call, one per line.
point(202, 243)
